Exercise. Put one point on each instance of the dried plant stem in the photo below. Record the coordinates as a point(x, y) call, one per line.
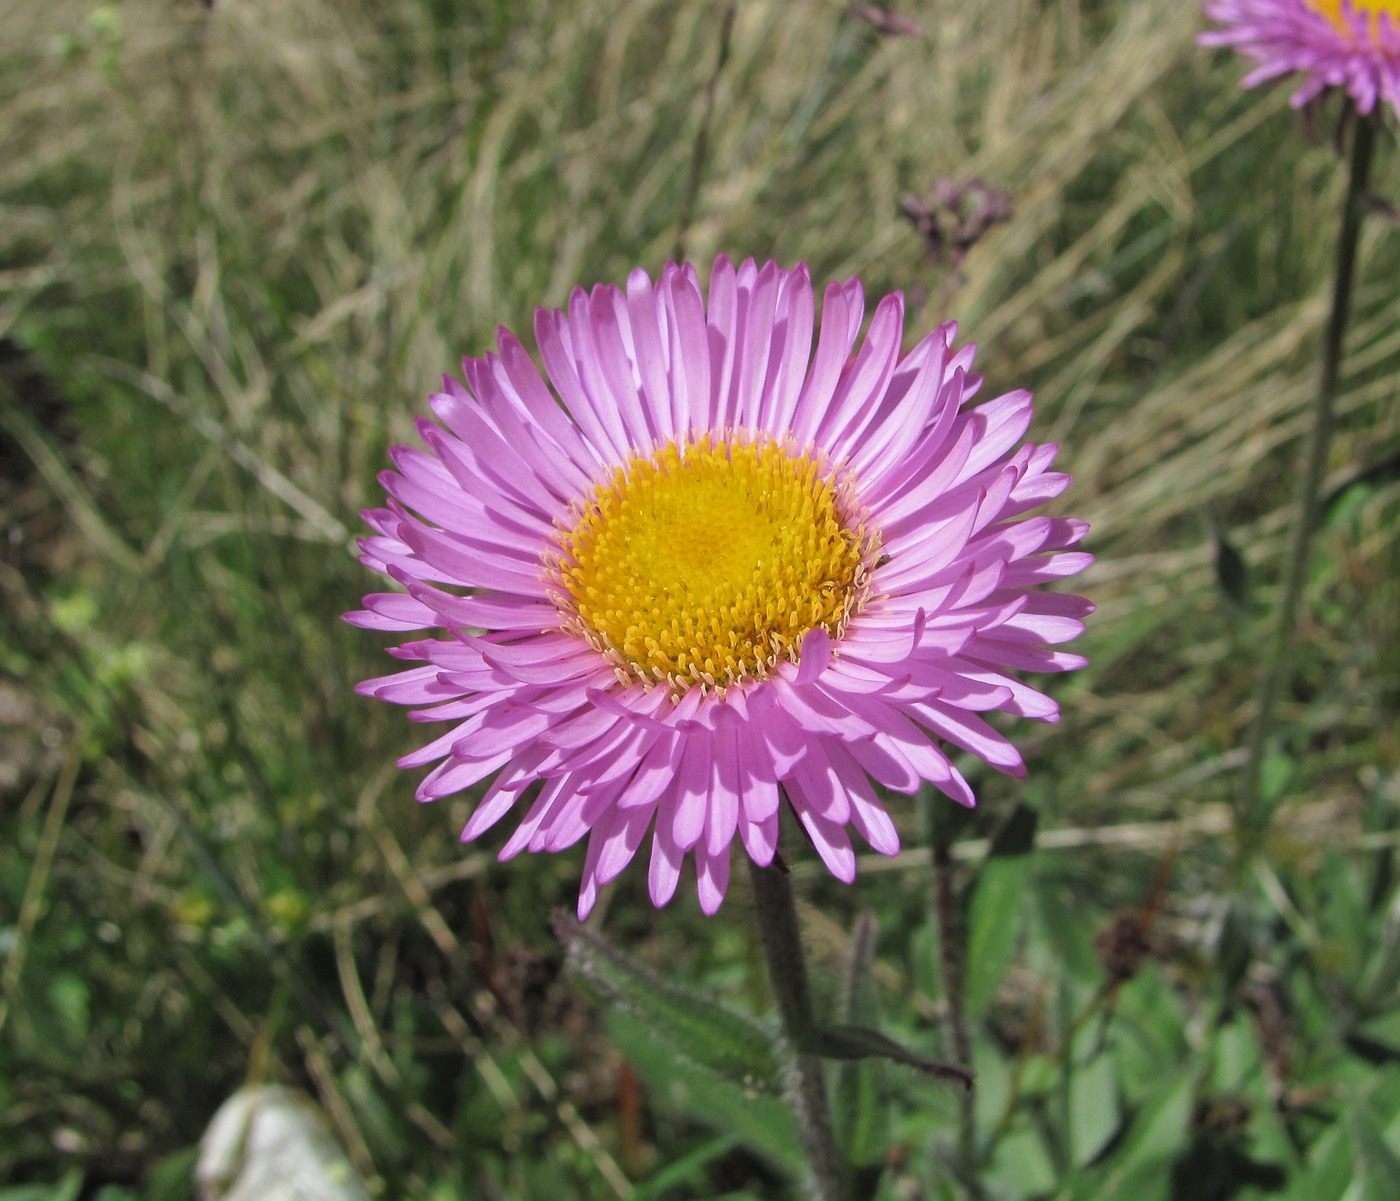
point(776, 914)
point(950, 959)
point(32, 905)
point(1255, 810)
point(701, 148)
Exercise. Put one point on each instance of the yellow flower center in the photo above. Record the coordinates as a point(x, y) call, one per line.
point(707, 561)
point(1332, 10)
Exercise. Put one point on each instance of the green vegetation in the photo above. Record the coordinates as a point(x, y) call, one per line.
point(238, 245)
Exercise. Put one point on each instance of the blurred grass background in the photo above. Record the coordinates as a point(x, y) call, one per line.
point(240, 242)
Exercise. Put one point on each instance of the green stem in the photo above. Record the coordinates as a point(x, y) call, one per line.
point(950, 958)
point(776, 914)
point(1255, 810)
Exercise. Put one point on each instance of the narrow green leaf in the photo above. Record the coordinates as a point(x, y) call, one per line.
point(1231, 570)
point(860, 1042)
point(1240, 935)
point(994, 919)
point(709, 1034)
point(857, 972)
point(684, 1170)
point(865, 1133)
point(379, 1119)
point(858, 1100)
point(1016, 835)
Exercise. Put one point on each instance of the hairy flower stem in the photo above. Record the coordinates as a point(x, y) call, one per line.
point(776, 914)
point(1254, 809)
point(950, 959)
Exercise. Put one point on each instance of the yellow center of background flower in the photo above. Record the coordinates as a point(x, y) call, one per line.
point(1332, 10)
point(706, 562)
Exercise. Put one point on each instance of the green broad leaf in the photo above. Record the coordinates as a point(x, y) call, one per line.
point(1330, 1171)
point(1154, 1033)
point(993, 1084)
point(1149, 1181)
point(70, 1004)
point(1159, 1128)
point(1095, 1109)
point(709, 1034)
point(172, 1178)
point(994, 921)
point(1348, 935)
point(66, 1189)
point(860, 1042)
point(1040, 1074)
point(1236, 1055)
point(762, 1122)
point(1383, 1101)
point(1275, 777)
point(1376, 1164)
point(1022, 1166)
point(1380, 979)
point(1137, 1167)
point(1377, 818)
point(1349, 498)
point(1377, 1041)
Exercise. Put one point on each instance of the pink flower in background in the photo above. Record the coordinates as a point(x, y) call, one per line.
point(725, 571)
point(1349, 44)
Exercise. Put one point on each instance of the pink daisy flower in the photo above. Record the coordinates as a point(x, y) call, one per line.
point(1351, 44)
point(711, 570)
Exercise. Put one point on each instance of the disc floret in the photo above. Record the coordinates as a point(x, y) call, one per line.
point(706, 561)
point(1373, 10)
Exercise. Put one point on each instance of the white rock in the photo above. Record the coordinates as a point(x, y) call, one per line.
point(271, 1144)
